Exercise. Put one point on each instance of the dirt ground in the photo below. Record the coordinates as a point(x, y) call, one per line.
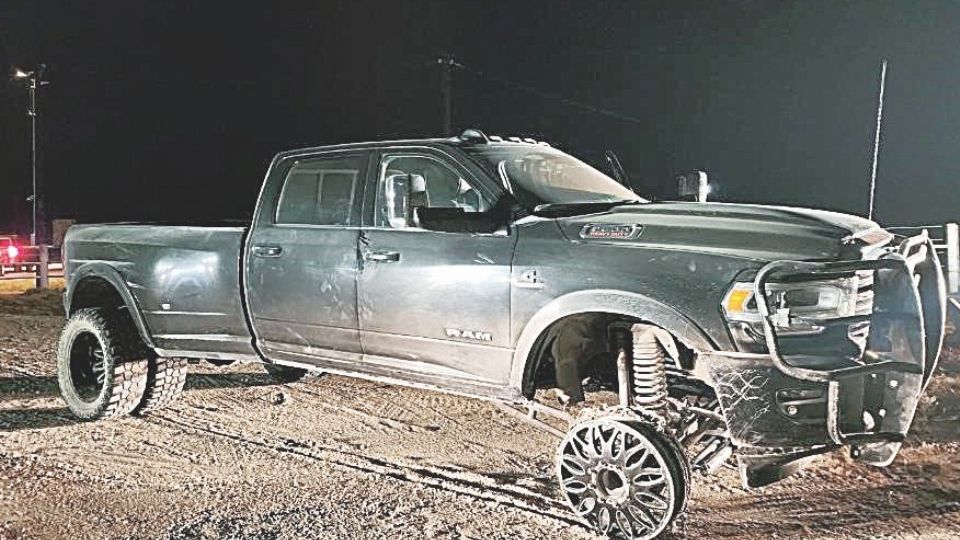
point(332, 457)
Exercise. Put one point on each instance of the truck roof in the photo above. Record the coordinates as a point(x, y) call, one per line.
point(469, 137)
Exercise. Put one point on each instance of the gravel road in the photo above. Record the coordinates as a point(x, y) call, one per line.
point(332, 457)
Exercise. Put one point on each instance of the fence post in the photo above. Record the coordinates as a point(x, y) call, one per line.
point(953, 257)
point(43, 276)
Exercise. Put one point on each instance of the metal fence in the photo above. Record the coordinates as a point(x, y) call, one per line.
point(946, 240)
point(39, 263)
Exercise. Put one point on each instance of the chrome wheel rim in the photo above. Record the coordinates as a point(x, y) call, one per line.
point(616, 479)
point(87, 367)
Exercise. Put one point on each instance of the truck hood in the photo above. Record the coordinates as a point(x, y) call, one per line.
point(743, 230)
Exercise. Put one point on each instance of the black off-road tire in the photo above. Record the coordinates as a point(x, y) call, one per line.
point(101, 364)
point(165, 380)
point(284, 374)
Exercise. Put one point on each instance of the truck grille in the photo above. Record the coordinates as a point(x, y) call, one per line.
point(864, 293)
point(859, 331)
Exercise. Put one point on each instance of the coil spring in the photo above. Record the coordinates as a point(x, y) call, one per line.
point(648, 370)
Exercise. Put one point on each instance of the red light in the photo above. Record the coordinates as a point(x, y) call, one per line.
point(12, 252)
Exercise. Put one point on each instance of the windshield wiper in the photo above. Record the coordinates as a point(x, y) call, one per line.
point(579, 208)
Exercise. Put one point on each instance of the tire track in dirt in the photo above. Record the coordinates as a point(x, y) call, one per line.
point(378, 417)
point(473, 485)
point(384, 413)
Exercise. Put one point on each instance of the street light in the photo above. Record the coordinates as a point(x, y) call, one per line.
point(32, 79)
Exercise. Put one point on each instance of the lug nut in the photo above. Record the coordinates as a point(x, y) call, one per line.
point(894, 383)
point(792, 410)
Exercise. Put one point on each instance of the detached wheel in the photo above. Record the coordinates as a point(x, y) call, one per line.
point(101, 364)
point(284, 374)
point(624, 478)
point(165, 380)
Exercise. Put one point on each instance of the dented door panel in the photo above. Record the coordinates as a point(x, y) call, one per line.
point(443, 305)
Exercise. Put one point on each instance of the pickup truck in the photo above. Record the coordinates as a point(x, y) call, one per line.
point(507, 270)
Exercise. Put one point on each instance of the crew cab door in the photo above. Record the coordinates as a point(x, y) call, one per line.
point(433, 304)
point(301, 259)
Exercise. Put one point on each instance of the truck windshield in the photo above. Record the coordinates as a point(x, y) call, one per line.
point(539, 175)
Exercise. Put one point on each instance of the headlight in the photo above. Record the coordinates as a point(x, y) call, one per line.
point(796, 307)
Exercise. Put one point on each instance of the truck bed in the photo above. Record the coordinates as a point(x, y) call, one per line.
point(184, 278)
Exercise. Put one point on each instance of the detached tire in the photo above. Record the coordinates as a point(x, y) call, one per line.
point(284, 374)
point(101, 364)
point(165, 380)
point(623, 477)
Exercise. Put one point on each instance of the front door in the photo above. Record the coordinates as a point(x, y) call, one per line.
point(301, 273)
point(436, 304)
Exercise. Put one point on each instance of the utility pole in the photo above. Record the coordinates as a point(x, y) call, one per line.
point(33, 80)
point(446, 63)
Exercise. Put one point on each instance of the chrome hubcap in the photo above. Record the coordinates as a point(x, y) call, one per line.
point(616, 479)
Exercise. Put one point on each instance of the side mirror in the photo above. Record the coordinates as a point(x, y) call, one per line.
point(693, 186)
point(405, 193)
point(397, 194)
point(418, 199)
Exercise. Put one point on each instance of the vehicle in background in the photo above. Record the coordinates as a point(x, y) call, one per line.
point(9, 254)
point(495, 268)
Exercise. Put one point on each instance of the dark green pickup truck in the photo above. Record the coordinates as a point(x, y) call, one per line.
point(495, 268)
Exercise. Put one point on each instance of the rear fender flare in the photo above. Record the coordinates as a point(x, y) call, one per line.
point(109, 274)
point(612, 302)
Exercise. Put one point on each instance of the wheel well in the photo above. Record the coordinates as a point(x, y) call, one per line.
point(595, 328)
point(95, 292)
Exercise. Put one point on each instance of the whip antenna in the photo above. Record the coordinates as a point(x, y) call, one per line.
point(876, 139)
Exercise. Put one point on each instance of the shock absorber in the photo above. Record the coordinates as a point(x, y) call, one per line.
point(624, 347)
point(648, 374)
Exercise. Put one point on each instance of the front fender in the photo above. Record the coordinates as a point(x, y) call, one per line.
point(110, 275)
point(614, 302)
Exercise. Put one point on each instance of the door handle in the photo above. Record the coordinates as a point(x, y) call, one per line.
point(381, 256)
point(267, 251)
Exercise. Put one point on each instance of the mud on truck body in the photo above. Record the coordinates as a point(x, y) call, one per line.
point(767, 335)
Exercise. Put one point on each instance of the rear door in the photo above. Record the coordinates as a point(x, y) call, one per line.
point(301, 260)
point(434, 304)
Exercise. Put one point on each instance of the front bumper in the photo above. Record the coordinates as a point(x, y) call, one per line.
point(783, 404)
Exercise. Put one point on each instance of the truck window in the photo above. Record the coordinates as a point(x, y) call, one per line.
point(320, 191)
point(408, 182)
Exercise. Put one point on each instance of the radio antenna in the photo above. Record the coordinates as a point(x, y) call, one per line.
point(876, 139)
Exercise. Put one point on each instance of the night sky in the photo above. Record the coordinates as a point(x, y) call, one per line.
point(168, 110)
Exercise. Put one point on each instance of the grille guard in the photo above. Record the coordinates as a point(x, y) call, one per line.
point(906, 328)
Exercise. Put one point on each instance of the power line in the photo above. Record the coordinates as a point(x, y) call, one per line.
point(548, 95)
